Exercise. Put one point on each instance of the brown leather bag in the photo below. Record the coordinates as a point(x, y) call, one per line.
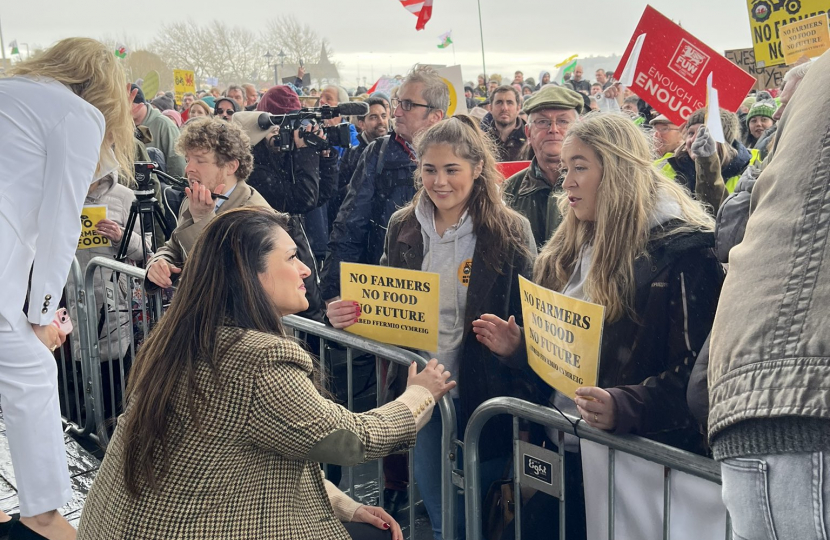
point(499, 509)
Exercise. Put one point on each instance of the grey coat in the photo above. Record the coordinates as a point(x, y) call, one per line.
point(770, 348)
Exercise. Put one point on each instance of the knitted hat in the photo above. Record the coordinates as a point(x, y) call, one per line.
point(748, 102)
point(279, 100)
point(162, 103)
point(729, 120)
point(761, 108)
point(210, 100)
point(554, 97)
point(139, 97)
point(174, 116)
point(233, 103)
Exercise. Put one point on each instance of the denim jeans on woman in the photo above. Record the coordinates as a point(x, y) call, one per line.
point(427, 465)
point(779, 496)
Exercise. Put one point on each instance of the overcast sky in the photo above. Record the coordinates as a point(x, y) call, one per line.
point(373, 37)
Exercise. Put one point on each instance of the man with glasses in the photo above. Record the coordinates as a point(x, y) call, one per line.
point(163, 131)
point(533, 191)
point(667, 139)
point(382, 183)
point(225, 108)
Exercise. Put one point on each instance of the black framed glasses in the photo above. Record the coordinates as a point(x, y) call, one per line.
point(407, 104)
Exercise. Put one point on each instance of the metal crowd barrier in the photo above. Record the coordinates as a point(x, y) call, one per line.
point(449, 461)
point(102, 368)
point(672, 459)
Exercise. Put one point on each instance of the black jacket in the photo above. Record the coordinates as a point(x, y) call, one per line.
point(348, 164)
point(374, 194)
point(295, 183)
point(481, 375)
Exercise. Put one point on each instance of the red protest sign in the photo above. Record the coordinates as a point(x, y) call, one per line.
point(509, 168)
point(673, 66)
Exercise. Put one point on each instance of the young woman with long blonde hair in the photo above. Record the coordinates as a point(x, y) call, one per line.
point(638, 244)
point(65, 123)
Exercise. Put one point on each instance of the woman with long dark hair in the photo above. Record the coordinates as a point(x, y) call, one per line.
point(225, 426)
point(65, 122)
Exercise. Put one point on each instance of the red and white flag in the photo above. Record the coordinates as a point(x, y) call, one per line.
point(421, 8)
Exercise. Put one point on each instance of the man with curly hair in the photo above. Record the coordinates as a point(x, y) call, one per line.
point(219, 160)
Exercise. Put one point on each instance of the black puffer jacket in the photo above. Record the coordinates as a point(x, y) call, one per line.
point(291, 183)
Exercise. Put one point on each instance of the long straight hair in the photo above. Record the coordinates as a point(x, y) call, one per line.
point(219, 286)
point(626, 198)
point(491, 217)
point(92, 71)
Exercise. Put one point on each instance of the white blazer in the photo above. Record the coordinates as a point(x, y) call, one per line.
point(50, 140)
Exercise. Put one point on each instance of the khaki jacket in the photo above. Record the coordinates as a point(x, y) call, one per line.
point(770, 347)
point(252, 471)
point(176, 250)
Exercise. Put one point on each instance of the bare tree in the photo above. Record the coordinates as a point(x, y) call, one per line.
point(299, 42)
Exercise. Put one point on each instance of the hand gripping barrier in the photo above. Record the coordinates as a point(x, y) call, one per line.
point(353, 343)
point(672, 459)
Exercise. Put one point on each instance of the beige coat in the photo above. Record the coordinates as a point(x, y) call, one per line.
point(253, 471)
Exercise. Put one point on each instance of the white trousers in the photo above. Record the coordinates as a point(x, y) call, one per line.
point(31, 412)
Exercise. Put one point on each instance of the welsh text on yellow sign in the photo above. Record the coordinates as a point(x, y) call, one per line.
point(397, 306)
point(90, 216)
point(809, 37)
point(766, 18)
point(563, 337)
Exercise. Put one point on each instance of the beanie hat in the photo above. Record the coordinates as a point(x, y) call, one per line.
point(761, 108)
point(174, 116)
point(279, 100)
point(748, 102)
point(210, 100)
point(162, 103)
point(139, 97)
point(729, 120)
point(233, 103)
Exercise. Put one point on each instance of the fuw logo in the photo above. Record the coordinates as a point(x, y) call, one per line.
point(688, 62)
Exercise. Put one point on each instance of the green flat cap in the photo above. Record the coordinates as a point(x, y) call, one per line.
point(554, 97)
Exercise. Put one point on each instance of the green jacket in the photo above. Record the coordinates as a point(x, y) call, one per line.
point(165, 135)
point(529, 193)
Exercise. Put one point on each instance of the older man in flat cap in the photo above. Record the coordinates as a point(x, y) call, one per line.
point(532, 192)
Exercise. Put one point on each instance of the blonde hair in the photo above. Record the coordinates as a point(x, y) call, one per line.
point(91, 70)
point(490, 215)
point(627, 195)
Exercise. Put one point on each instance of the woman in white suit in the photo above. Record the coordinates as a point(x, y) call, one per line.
point(64, 122)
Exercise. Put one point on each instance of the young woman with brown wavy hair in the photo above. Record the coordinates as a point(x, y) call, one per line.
point(65, 123)
point(458, 226)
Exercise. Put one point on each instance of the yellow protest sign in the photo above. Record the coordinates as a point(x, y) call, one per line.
point(766, 17)
point(808, 37)
point(183, 81)
point(150, 86)
point(563, 337)
point(455, 83)
point(90, 216)
point(397, 306)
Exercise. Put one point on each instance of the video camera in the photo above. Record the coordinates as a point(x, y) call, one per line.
point(338, 135)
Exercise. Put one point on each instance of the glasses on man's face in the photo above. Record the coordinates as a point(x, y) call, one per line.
point(545, 123)
point(229, 112)
point(407, 104)
point(663, 129)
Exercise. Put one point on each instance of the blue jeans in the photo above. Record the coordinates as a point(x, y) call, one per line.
point(778, 497)
point(428, 473)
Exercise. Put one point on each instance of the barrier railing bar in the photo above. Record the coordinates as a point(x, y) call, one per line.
point(562, 497)
point(410, 465)
point(612, 506)
point(350, 402)
point(666, 503)
point(379, 402)
point(637, 446)
point(517, 481)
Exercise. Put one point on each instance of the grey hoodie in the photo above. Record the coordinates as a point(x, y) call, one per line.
point(450, 256)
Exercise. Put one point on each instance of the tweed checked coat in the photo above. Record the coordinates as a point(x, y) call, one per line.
point(252, 471)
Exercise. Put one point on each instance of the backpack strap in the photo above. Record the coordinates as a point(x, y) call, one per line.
point(382, 155)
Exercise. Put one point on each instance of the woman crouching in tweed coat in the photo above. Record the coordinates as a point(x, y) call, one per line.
point(225, 426)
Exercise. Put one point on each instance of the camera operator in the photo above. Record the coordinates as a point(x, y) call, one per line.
point(296, 181)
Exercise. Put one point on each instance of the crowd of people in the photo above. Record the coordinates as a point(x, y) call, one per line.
point(226, 418)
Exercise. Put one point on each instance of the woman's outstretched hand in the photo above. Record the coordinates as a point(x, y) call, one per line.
point(433, 377)
point(501, 337)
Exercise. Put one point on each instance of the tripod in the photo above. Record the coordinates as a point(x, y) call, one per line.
point(145, 208)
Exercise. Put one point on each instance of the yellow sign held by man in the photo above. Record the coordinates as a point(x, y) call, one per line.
point(397, 306)
point(766, 19)
point(808, 37)
point(563, 337)
point(183, 81)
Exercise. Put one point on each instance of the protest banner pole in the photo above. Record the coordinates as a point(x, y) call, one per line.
point(481, 32)
point(2, 45)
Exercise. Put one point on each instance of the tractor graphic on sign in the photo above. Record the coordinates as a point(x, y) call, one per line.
point(762, 10)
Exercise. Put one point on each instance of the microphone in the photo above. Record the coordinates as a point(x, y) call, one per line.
point(353, 108)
